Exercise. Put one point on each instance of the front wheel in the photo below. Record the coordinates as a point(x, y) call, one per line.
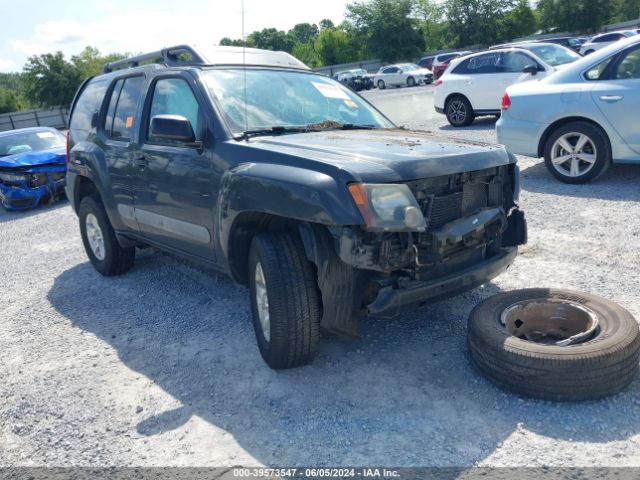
point(381, 85)
point(99, 239)
point(577, 153)
point(411, 82)
point(286, 305)
point(459, 112)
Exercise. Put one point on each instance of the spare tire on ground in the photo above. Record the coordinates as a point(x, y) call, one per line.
point(554, 344)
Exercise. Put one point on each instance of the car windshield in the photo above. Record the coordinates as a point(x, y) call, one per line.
point(283, 99)
point(554, 55)
point(34, 141)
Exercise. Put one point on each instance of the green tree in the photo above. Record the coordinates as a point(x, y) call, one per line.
point(90, 61)
point(303, 33)
point(519, 22)
point(390, 31)
point(10, 101)
point(582, 15)
point(306, 53)
point(479, 22)
point(332, 47)
point(270, 39)
point(326, 23)
point(51, 80)
point(430, 17)
point(230, 42)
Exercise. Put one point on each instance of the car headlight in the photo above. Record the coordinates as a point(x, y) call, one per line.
point(388, 207)
point(12, 178)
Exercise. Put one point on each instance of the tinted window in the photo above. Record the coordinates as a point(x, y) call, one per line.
point(514, 62)
point(127, 103)
point(88, 103)
point(482, 64)
point(629, 67)
point(172, 96)
point(612, 37)
point(391, 70)
point(597, 71)
point(444, 58)
point(111, 109)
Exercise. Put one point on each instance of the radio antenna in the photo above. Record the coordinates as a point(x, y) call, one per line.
point(244, 68)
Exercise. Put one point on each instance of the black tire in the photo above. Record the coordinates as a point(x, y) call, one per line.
point(595, 135)
point(600, 366)
point(294, 300)
point(459, 111)
point(381, 85)
point(411, 82)
point(117, 260)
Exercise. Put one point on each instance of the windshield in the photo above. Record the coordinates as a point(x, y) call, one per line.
point(33, 141)
point(287, 99)
point(554, 55)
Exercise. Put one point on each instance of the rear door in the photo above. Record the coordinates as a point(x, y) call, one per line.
point(175, 191)
point(483, 82)
point(618, 97)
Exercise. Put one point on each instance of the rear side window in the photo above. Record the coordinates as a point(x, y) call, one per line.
point(123, 106)
point(88, 104)
point(482, 64)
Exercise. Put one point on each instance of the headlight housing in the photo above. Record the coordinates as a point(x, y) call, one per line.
point(389, 207)
point(12, 178)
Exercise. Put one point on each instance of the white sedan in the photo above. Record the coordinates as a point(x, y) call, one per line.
point(604, 40)
point(408, 74)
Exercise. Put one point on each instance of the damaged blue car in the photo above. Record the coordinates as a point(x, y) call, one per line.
point(32, 167)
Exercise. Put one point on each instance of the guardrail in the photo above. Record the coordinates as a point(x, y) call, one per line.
point(56, 117)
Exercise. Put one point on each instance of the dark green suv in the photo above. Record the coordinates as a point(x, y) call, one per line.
point(246, 161)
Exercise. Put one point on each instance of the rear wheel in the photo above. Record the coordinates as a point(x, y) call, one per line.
point(459, 111)
point(577, 153)
point(286, 305)
point(99, 239)
point(381, 85)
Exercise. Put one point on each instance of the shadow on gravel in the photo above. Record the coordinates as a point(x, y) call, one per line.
point(620, 182)
point(403, 394)
point(479, 124)
point(6, 216)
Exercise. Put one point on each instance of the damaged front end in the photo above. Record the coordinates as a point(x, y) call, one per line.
point(27, 186)
point(472, 227)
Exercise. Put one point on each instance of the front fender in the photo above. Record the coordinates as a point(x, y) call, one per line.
point(285, 191)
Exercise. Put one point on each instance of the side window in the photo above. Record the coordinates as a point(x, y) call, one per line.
point(173, 96)
point(124, 108)
point(88, 103)
point(514, 62)
point(629, 66)
point(596, 72)
point(111, 110)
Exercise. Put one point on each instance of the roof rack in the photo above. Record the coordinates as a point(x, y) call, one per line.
point(169, 56)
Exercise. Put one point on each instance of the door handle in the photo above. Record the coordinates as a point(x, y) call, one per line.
point(142, 162)
point(611, 98)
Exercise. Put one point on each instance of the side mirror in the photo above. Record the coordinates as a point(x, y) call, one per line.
point(531, 69)
point(172, 127)
point(400, 71)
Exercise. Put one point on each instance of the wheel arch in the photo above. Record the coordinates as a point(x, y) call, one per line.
point(84, 186)
point(565, 121)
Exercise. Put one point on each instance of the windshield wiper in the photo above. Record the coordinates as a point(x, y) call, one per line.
point(269, 131)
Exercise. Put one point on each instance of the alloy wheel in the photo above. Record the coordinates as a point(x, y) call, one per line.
point(573, 154)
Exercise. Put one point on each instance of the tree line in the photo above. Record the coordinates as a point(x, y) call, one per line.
point(389, 30)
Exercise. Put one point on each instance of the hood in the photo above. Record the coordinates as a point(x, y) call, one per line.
point(384, 155)
point(54, 156)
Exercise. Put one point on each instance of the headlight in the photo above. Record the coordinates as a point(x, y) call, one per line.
point(388, 207)
point(12, 178)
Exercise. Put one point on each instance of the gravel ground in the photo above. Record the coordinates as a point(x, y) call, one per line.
point(160, 367)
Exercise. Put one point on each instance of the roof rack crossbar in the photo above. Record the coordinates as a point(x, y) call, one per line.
point(168, 56)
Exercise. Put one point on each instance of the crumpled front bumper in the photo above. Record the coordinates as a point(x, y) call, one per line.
point(391, 301)
point(23, 197)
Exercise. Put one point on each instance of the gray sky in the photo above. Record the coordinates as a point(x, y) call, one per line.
point(33, 27)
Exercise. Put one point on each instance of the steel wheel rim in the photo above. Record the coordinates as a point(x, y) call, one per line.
point(262, 302)
point(457, 111)
point(573, 154)
point(95, 237)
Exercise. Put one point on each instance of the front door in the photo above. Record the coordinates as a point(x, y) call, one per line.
point(175, 194)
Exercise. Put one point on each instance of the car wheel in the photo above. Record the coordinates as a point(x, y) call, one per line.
point(459, 111)
point(577, 152)
point(286, 305)
point(554, 344)
point(411, 82)
point(99, 239)
point(381, 85)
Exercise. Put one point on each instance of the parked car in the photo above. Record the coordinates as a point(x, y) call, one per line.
point(580, 119)
point(290, 183)
point(574, 43)
point(441, 67)
point(408, 74)
point(604, 40)
point(426, 62)
point(357, 79)
point(473, 86)
point(32, 167)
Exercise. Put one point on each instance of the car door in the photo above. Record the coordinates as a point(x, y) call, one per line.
point(512, 64)
point(116, 137)
point(175, 191)
point(618, 97)
point(483, 83)
point(391, 75)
